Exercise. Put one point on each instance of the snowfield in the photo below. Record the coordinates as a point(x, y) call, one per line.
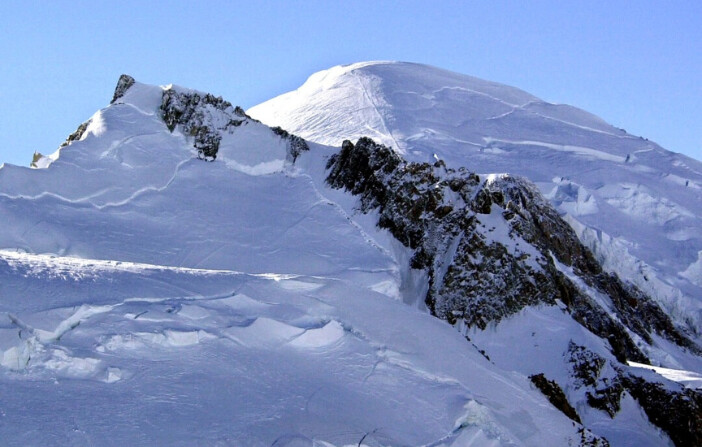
point(151, 298)
point(637, 206)
point(135, 353)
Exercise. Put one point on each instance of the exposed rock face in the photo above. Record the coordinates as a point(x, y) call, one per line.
point(190, 111)
point(587, 366)
point(492, 246)
point(206, 118)
point(35, 160)
point(555, 395)
point(670, 406)
point(601, 382)
point(77, 135)
point(608, 397)
point(296, 144)
point(123, 84)
point(588, 439)
point(677, 412)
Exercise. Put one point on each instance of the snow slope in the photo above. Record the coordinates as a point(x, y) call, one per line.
point(148, 297)
point(637, 206)
point(155, 355)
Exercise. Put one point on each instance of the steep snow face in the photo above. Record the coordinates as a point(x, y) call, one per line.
point(637, 206)
point(150, 297)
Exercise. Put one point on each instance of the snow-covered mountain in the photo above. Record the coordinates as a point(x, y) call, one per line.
point(637, 206)
point(178, 273)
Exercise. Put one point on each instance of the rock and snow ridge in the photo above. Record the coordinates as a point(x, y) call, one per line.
point(491, 247)
point(495, 247)
point(246, 302)
point(637, 206)
point(149, 297)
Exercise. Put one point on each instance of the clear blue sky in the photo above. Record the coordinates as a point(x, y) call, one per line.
point(637, 64)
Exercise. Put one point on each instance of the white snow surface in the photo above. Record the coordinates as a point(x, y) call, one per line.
point(635, 204)
point(689, 378)
point(543, 335)
point(151, 298)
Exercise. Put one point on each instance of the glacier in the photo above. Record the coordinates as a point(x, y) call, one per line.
point(151, 298)
point(179, 273)
point(637, 206)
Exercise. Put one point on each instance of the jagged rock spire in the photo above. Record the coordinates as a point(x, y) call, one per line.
point(123, 84)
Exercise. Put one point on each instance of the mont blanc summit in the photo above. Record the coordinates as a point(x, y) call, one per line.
point(407, 257)
point(637, 206)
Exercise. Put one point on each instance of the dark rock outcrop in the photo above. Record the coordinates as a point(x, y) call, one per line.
point(35, 159)
point(77, 135)
point(588, 439)
point(189, 111)
point(677, 412)
point(296, 145)
point(555, 395)
point(124, 83)
point(668, 405)
point(492, 246)
point(587, 366)
point(201, 117)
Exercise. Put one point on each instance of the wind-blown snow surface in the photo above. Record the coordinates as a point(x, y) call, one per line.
point(636, 205)
point(151, 298)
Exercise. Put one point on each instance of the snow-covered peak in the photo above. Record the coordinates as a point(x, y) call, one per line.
point(209, 126)
point(423, 79)
point(635, 204)
point(231, 301)
point(395, 102)
point(145, 97)
point(204, 279)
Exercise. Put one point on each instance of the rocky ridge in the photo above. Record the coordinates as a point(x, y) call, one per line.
point(493, 246)
point(634, 204)
point(421, 204)
point(204, 117)
point(675, 409)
